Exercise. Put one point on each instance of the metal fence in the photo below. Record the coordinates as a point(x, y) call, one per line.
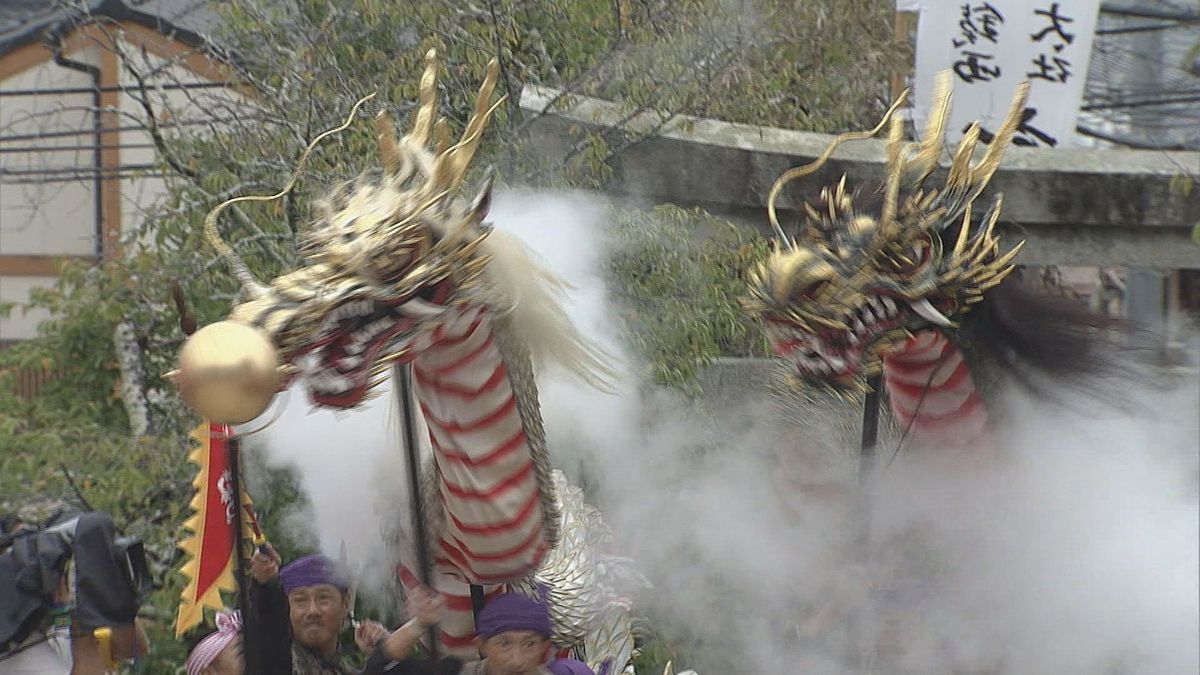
point(26, 382)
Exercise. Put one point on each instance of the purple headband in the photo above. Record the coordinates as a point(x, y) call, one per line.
point(513, 612)
point(312, 570)
point(569, 667)
point(229, 624)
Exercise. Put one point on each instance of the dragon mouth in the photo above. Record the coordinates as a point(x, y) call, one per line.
point(842, 359)
point(356, 342)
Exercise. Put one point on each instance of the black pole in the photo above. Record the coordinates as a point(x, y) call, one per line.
point(403, 380)
point(250, 643)
point(870, 428)
point(866, 469)
point(477, 599)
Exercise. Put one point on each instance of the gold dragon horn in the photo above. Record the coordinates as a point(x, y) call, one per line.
point(987, 166)
point(426, 117)
point(385, 135)
point(933, 140)
point(891, 186)
point(450, 167)
point(801, 171)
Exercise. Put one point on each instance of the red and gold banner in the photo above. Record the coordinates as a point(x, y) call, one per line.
point(210, 564)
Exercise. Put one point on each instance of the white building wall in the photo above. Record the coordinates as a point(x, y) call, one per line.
point(43, 218)
point(47, 214)
point(177, 108)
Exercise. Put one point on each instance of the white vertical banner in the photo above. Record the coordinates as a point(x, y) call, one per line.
point(991, 47)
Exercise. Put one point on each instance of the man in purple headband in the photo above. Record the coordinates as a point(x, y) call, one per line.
point(314, 593)
point(513, 633)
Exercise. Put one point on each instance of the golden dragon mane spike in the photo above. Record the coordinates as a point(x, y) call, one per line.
point(908, 165)
point(429, 134)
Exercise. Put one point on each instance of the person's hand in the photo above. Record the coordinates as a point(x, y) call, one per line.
point(425, 609)
point(368, 634)
point(426, 606)
point(265, 566)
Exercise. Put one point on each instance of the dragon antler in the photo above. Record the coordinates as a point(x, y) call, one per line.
point(446, 166)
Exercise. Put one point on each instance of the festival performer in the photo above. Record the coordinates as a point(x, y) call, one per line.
point(513, 638)
point(513, 633)
point(394, 652)
point(219, 652)
point(314, 593)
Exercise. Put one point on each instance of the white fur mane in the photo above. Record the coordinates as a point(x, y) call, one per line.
point(532, 296)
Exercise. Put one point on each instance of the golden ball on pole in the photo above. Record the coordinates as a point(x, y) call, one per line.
point(229, 372)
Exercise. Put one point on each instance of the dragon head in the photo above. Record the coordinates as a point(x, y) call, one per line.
point(388, 255)
point(855, 282)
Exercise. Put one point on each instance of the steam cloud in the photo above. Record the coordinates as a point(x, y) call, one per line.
point(1076, 552)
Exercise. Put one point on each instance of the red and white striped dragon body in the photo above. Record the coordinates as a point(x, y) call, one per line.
point(399, 270)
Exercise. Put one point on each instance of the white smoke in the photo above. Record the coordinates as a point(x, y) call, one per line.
point(348, 463)
point(1075, 552)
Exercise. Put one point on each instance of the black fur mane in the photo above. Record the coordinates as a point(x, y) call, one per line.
point(1047, 342)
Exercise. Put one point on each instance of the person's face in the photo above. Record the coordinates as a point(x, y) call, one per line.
point(317, 614)
point(229, 662)
point(515, 652)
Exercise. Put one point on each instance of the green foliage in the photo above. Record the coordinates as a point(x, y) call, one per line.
point(679, 276)
point(142, 483)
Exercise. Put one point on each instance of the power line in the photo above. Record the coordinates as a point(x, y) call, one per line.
point(80, 170)
point(51, 180)
point(1149, 28)
point(132, 127)
point(33, 149)
point(1126, 105)
point(1180, 16)
point(119, 88)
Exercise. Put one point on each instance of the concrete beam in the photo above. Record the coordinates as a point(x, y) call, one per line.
point(1074, 206)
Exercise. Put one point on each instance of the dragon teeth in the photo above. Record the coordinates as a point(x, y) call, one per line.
point(889, 306)
point(927, 311)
